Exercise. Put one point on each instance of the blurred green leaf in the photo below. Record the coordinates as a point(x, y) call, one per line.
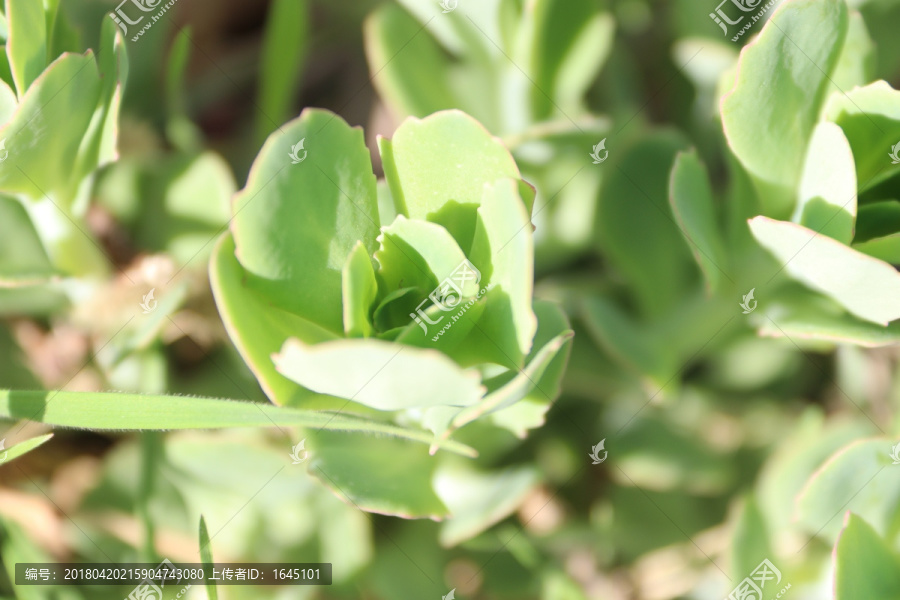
point(410, 69)
point(378, 475)
point(636, 229)
point(870, 118)
point(868, 288)
point(691, 198)
point(284, 51)
point(750, 541)
point(827, 201)
point(44, 136)
point(207, 559)
point(570, 44)
point(857, 478)
point(865, 566)
point(476, 500)
point(856, 64)
point(27, 44)
point(23, 259)
point(781, 81)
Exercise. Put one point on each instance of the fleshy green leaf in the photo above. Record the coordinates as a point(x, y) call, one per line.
point(636, 228)
point(378, 475)
point(885, 248)
point(437, 168)
point(518, 387)
point(867, 287)
point(98, 145)
point(47, 129)
point(296, 224)
point(750, 541)
point(134, 412)
point(359, 292)
point(415, 253)
point(782, 77)
point(410, 69)
point(870, 118)
point(856, 64)
point(865, 566)
point(504, 243)
point(616, 332)
point(379, 374)
point(827, 201)
point(876, 220)
point(691, 198)
point(8, 101)
point(27, 43)
point(529, 412)
point(859, 478)
point(825, 320)
point(570, 44)
point(257, 329)
point(478, 500)
point(23, 259)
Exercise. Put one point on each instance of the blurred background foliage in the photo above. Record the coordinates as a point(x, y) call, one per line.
point(713, 430)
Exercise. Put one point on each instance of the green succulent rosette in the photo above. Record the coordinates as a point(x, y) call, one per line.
point(407, 300)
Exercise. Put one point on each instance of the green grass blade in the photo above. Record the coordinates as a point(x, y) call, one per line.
point(207, 559)
point(9, 454)
point(124, 411)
